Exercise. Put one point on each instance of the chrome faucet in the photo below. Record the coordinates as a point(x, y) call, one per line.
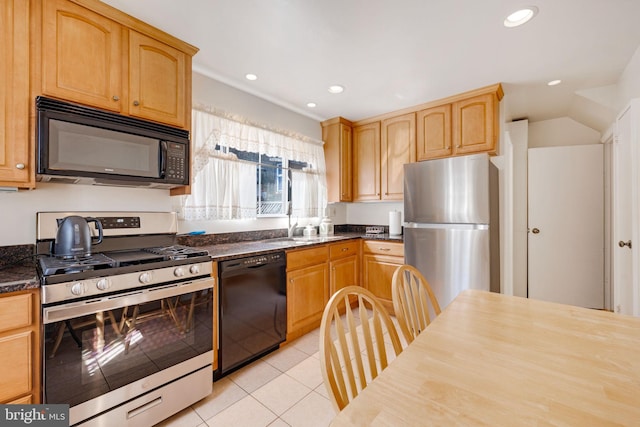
point(292, 228)
point(289, 205)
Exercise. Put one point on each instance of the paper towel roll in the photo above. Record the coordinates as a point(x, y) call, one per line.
point(395, 226)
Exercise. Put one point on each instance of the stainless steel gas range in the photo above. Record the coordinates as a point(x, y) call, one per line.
point(128, 330)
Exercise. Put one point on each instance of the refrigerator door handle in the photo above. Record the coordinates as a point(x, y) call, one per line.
point(449, 226)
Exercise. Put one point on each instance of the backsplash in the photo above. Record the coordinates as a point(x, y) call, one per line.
point(250, 236)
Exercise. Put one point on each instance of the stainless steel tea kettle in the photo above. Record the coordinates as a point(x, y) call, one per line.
point(73, 238)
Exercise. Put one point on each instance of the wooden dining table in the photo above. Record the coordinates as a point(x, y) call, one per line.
point(497, 360)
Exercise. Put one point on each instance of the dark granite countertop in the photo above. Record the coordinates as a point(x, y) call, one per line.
point(224, 251)
point(17, 269)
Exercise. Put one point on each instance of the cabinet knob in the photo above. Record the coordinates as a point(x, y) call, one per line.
point(136, 103)
point(459, 145)
point(116, 98)
point(20, 166)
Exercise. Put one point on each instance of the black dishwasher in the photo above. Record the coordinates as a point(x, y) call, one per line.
point(253, 309)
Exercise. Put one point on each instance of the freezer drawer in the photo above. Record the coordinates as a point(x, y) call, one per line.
point(452, 258)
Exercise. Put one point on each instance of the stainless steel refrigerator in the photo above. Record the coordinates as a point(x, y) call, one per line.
point(451, 231)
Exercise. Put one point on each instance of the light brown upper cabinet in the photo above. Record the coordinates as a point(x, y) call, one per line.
point(338, 148)
point(434, 132)
point(474, 123)
point(380, 150)
point(398, 146)
point(366, 162)
point(463, 124)
point(96, 55)
point(81, 55)
point(16, 158)
point(157, 81)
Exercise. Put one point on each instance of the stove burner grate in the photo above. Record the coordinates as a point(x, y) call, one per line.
point(177, 251)
point(55, 265)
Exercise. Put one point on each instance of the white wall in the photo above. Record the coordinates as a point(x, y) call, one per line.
point(18, 209)
point(230, 100)
point(629, 82)
point(373, 213)
point(561, 132)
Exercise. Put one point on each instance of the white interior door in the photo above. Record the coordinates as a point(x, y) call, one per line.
point(622, 251)
point(566, 225)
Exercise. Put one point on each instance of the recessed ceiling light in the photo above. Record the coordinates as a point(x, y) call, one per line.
point(251, 76)
point(336, 89)
point(311, 104)
point(554, 82)
point(520, 17)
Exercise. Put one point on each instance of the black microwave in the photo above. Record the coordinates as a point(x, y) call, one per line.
point(82, 145)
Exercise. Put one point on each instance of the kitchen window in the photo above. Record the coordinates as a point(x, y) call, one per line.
point(242, 171)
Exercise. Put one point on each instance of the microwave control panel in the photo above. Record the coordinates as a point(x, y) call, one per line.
point(176, 162)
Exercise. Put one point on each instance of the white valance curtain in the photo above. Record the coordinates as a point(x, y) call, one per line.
point(225, 187)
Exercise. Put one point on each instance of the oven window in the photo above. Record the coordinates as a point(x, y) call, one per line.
point(89, 356)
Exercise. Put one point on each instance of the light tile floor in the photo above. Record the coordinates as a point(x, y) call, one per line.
point(284, 388)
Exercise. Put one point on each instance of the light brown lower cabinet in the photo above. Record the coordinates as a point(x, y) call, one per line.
point(20, 347)
point(307, 289)
point(380, 259)
point(344, 265)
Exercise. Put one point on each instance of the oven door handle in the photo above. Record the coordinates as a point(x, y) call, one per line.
point(83, 308)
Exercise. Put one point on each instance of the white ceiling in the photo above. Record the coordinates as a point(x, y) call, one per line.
point(391, 54)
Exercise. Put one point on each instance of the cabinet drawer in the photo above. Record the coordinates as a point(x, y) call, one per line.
point(304, 257)
point(383, 248)
point(339, 250)
point(16, 311)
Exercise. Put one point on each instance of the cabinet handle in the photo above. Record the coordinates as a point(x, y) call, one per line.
point(116, 98)
point(20, 166)
point(384, 249)
point(136, 103)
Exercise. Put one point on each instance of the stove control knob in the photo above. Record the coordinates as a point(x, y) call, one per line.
point(145, 277)
point(194, 269)
point(77, 288)
point(103, 284)
point(178, 272)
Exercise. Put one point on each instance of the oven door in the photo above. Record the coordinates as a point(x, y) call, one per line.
point(103, 352)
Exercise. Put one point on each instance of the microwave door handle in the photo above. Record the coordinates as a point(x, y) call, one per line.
point(163, 159)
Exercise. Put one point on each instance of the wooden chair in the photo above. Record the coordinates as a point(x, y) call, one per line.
point(353, 351)
point(414, 302)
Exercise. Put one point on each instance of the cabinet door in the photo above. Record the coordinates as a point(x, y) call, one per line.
point(16, 357)
point(338, 157)
point(366, 162)
point(474, 124)
point(434, 132)
point(307, 294)
point(15, 156)
point(81, 55)
point(398, 146)
point(157, 80)
point(19, 347)
point(343, 272)
point(377, 274)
